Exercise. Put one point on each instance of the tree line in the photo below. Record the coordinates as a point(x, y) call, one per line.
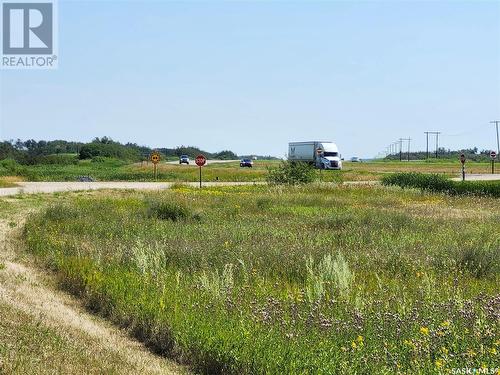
point(61, 151)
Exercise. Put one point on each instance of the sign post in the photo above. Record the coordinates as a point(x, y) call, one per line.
point(200, 161)
point(493, 155)
point(462, 160)
point(155, 159)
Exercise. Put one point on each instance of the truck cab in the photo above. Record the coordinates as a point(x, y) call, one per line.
point(329, 158)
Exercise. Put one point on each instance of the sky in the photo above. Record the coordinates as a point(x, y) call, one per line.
point(252, 76)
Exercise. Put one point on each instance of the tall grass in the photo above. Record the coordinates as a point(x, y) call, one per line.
point(288, 280)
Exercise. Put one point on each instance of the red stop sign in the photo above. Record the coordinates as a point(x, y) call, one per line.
point(200, 160)
point(493, 154)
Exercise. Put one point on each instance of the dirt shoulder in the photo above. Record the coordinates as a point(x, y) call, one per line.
point(44, 330)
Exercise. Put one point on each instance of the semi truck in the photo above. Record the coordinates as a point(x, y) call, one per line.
point(321, 154)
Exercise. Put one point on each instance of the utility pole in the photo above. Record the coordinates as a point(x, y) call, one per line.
point(427, 145)
point(437, 143)
point(496, 122)
point(400, 149)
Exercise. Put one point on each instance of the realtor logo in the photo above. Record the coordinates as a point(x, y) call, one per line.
point(28, 34)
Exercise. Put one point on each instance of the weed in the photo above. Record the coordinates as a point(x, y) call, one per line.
point(218, 284)
point(164, 210)
point(330, 275)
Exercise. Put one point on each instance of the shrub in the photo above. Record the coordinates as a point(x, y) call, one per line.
point(291, 173)
point(438, 183)
point(479, 262)
point(110, 150)
point(98, 159)
point(164, 210)
point(63, 159)
point(9, 166)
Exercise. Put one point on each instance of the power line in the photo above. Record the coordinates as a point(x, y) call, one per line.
point(427, 145)
point(401, 145)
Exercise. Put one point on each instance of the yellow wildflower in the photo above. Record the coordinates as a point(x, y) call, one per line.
point(439, 363)
point(444, 350)
point(354, 345)
point(424, 331)
point(493, 351)
point(445, 324)
point(471, 353)
point(410, 344)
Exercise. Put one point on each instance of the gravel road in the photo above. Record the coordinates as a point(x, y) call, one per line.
point(479, 177)
point(54, 187)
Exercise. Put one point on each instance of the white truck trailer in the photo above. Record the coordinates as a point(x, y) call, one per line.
point(323, 155)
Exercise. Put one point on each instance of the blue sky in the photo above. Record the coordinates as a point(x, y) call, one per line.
point(252, 76)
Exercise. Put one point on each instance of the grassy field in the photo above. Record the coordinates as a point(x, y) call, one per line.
point(115, 170)
point(287, 280)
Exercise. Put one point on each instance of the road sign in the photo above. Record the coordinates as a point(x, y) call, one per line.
point(200, 160)
point(493, 155)
point(155, 157)
point(462, 160)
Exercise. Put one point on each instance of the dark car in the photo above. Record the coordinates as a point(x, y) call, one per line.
point(184, 159)
point(85, 179)
point(246, 163)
